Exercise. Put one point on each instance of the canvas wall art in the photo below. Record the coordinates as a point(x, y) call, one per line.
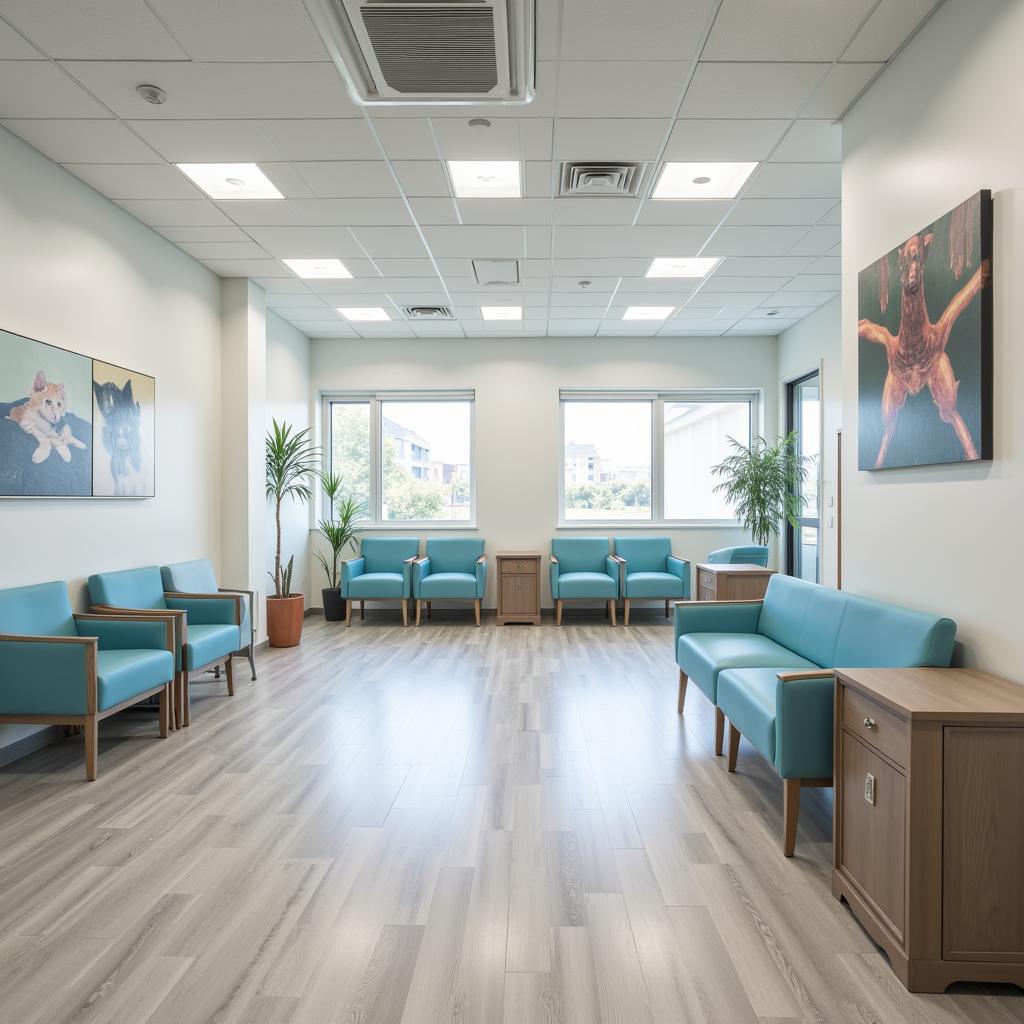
point(124, 416)
point(925, 345)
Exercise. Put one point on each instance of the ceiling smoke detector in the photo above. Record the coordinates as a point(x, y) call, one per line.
point(151, 93)
point(601, 179)
point(428, 313)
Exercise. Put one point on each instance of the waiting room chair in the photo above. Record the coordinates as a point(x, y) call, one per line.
point(207, 626)
point(382, 572)
point(57, 668)
point(197, 577)
point(454, 568)
point(743, 554)
point(582, 568)
point(649, 571)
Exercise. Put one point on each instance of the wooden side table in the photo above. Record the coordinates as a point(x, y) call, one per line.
point(518, 587)
point(738, 582)
point(929, 820)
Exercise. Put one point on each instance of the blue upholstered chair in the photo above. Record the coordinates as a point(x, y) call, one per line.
point(649, 570)
point(382, 572)
point(207, 626)
point(743, 554)
point(454, 569)
point(582, 568)
point(197, 577)
point(63, 669)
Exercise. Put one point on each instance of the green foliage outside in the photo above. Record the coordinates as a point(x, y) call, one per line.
point(613, 495)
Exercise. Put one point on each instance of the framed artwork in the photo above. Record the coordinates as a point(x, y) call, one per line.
point(72, 426)
point(925, 345)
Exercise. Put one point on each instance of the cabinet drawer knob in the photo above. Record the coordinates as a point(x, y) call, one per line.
point(519, 565)
point(707, 579)
point(869, 723)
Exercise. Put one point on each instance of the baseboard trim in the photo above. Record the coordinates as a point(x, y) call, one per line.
point(30, 744)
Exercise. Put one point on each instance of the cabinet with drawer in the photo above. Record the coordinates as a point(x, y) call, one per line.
point(732, 582)
point(518, 587)
point(929, 825)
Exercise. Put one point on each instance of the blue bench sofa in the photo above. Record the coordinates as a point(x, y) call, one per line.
point(767, 667)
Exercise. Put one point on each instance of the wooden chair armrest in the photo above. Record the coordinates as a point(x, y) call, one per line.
point(27, 638)
point(618, 558)
point(115, 610)
point(167, 618)
point(817, 673)
point(554, 561)
point(481, 560)
point(409, 561)
point(219, 596)
point(236, 590)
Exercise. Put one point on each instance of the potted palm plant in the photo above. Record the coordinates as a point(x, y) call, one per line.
point(762, 483)
point(340, 530)
point(291, 460)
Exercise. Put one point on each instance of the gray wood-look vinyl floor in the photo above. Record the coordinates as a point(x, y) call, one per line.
point(408, 826)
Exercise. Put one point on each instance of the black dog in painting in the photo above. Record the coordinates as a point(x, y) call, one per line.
point(122, 438)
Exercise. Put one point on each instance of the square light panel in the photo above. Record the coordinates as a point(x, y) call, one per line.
point(363, 313)
point(682, 266)
point(231, 181)
point(702, 180)
point(318, 268)
point(501, 312)
point(647, 312)
point(485, 179)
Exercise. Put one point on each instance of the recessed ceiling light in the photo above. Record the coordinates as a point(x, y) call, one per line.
point(485, 179)
point(502, 312)
point(318, 268)
point(682, 266)
point(702, 180)
point(231, 181)
point(363, 313)
point(152, 94)
point(647, 312)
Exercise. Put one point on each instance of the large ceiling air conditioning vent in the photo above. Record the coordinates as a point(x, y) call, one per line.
point(601, 179)
point(428, 313)
point(430, 51)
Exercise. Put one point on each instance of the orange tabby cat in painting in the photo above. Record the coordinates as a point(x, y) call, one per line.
point(41, 417)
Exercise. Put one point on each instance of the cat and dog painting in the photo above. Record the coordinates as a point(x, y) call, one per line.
point(71, 426)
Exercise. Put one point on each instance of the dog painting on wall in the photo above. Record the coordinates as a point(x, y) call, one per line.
point(123, 402)
point(925, 345)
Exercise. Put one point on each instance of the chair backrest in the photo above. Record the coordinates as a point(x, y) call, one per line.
point(39, 610)
point(580, 554)
point(128, 588)
point(836, 629)
point(386, 554)
point(643, 554)
point(195, 577)
point(743, 554)
point(454, 554)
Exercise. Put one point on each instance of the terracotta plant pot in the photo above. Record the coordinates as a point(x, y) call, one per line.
point(284, 620)
point(334, 605)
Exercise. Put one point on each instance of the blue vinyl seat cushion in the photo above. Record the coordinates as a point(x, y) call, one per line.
point(587, 584)
point(747, 697)
point(120, 675)
point(197, 577)
point(209, 643)
point(377, 584)
point(448, 584)
point(653, 584)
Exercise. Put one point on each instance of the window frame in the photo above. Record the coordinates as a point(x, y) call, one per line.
point(658, 399)
point(376, 399)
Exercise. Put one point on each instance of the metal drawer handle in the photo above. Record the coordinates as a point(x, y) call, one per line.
point(869, 723)
point(519, 565)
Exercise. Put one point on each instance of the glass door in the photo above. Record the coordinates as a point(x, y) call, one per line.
point(803, 414)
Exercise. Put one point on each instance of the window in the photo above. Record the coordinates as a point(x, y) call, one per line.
point(407, 457)
point(633, 458)
point(803, 414)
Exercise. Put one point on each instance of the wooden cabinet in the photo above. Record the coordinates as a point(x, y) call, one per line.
point(929, 820)
point(725, 582)
point(518, 587)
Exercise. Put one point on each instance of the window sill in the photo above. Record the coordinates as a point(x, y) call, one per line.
point(627, 524)
point(412, 527)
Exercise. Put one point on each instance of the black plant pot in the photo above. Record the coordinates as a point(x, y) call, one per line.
point(334, 605)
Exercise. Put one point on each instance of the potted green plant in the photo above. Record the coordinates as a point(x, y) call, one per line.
point(340, 531)
point(291, 460)
point(762, 483)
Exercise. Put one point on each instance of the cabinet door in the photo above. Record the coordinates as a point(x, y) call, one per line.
point(518, 595)
point(873, 831)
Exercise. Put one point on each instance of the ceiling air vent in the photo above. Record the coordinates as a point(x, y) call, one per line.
point(601, 179)
point(491, 272)
point(430, 51)
point(428, 313)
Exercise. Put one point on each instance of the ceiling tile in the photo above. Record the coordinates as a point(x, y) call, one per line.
point(620, 88)
point(406, 268)
point(843, 85)
point(615, 139)
point(93, 29)
point(834, 216)
point(610, 30)
point(505, 211)
point(750, 90)
point(14, 46)
point(783, 30)
point(422, 177)
point(347, 179)
point(136, 181)
point(324, 139)
point(809, 299)
point(456, 140)
point(814, 283)
point(290, 183)
point(246, 250)
point(887, 28)
point(248, 268)
point(779, 211)
point(538, 179)
point(83, 140)
point(577, 241)
point(352, 212)
point(199, 233)
point(259, 211)
point(594, 210)
point(35, 88)
point(811, 141)
point(723, 139)
point(752, 241)
point(390, 242)
point(698, 211)
point(538, 241)
point(248, 30)
point(817, 241)
point(766, 266)
point(825, 265)
point(434, 211)
point(406, 138)
point(288, 242)
point(474, 241)
point(171, 212)
point(717, 284)
point(796, 181)
point(209, 141)
point(593, 268)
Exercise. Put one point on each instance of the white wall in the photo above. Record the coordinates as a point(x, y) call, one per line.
point(80, 273)
point(288, 390)
point(518, 458)
point(814, 344)
point(941, 123)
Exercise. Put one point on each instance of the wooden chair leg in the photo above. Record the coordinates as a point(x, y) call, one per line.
point(790, 814)
point(719, 730)
point(430, 609)
point(667, 603)
point(252, 660)
point(734, 746)
point(476, 609)
point(611, 611)
point(683, 680)
point(176, 700)
point(362, 610)
point(165, 711)
point(350, 610)
point(230, 673)
point(625, 611)
point(558, 613)
point(216, 672)
point(419, 609)
point(186, 713)
point(405, 612)
point(92, 740)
